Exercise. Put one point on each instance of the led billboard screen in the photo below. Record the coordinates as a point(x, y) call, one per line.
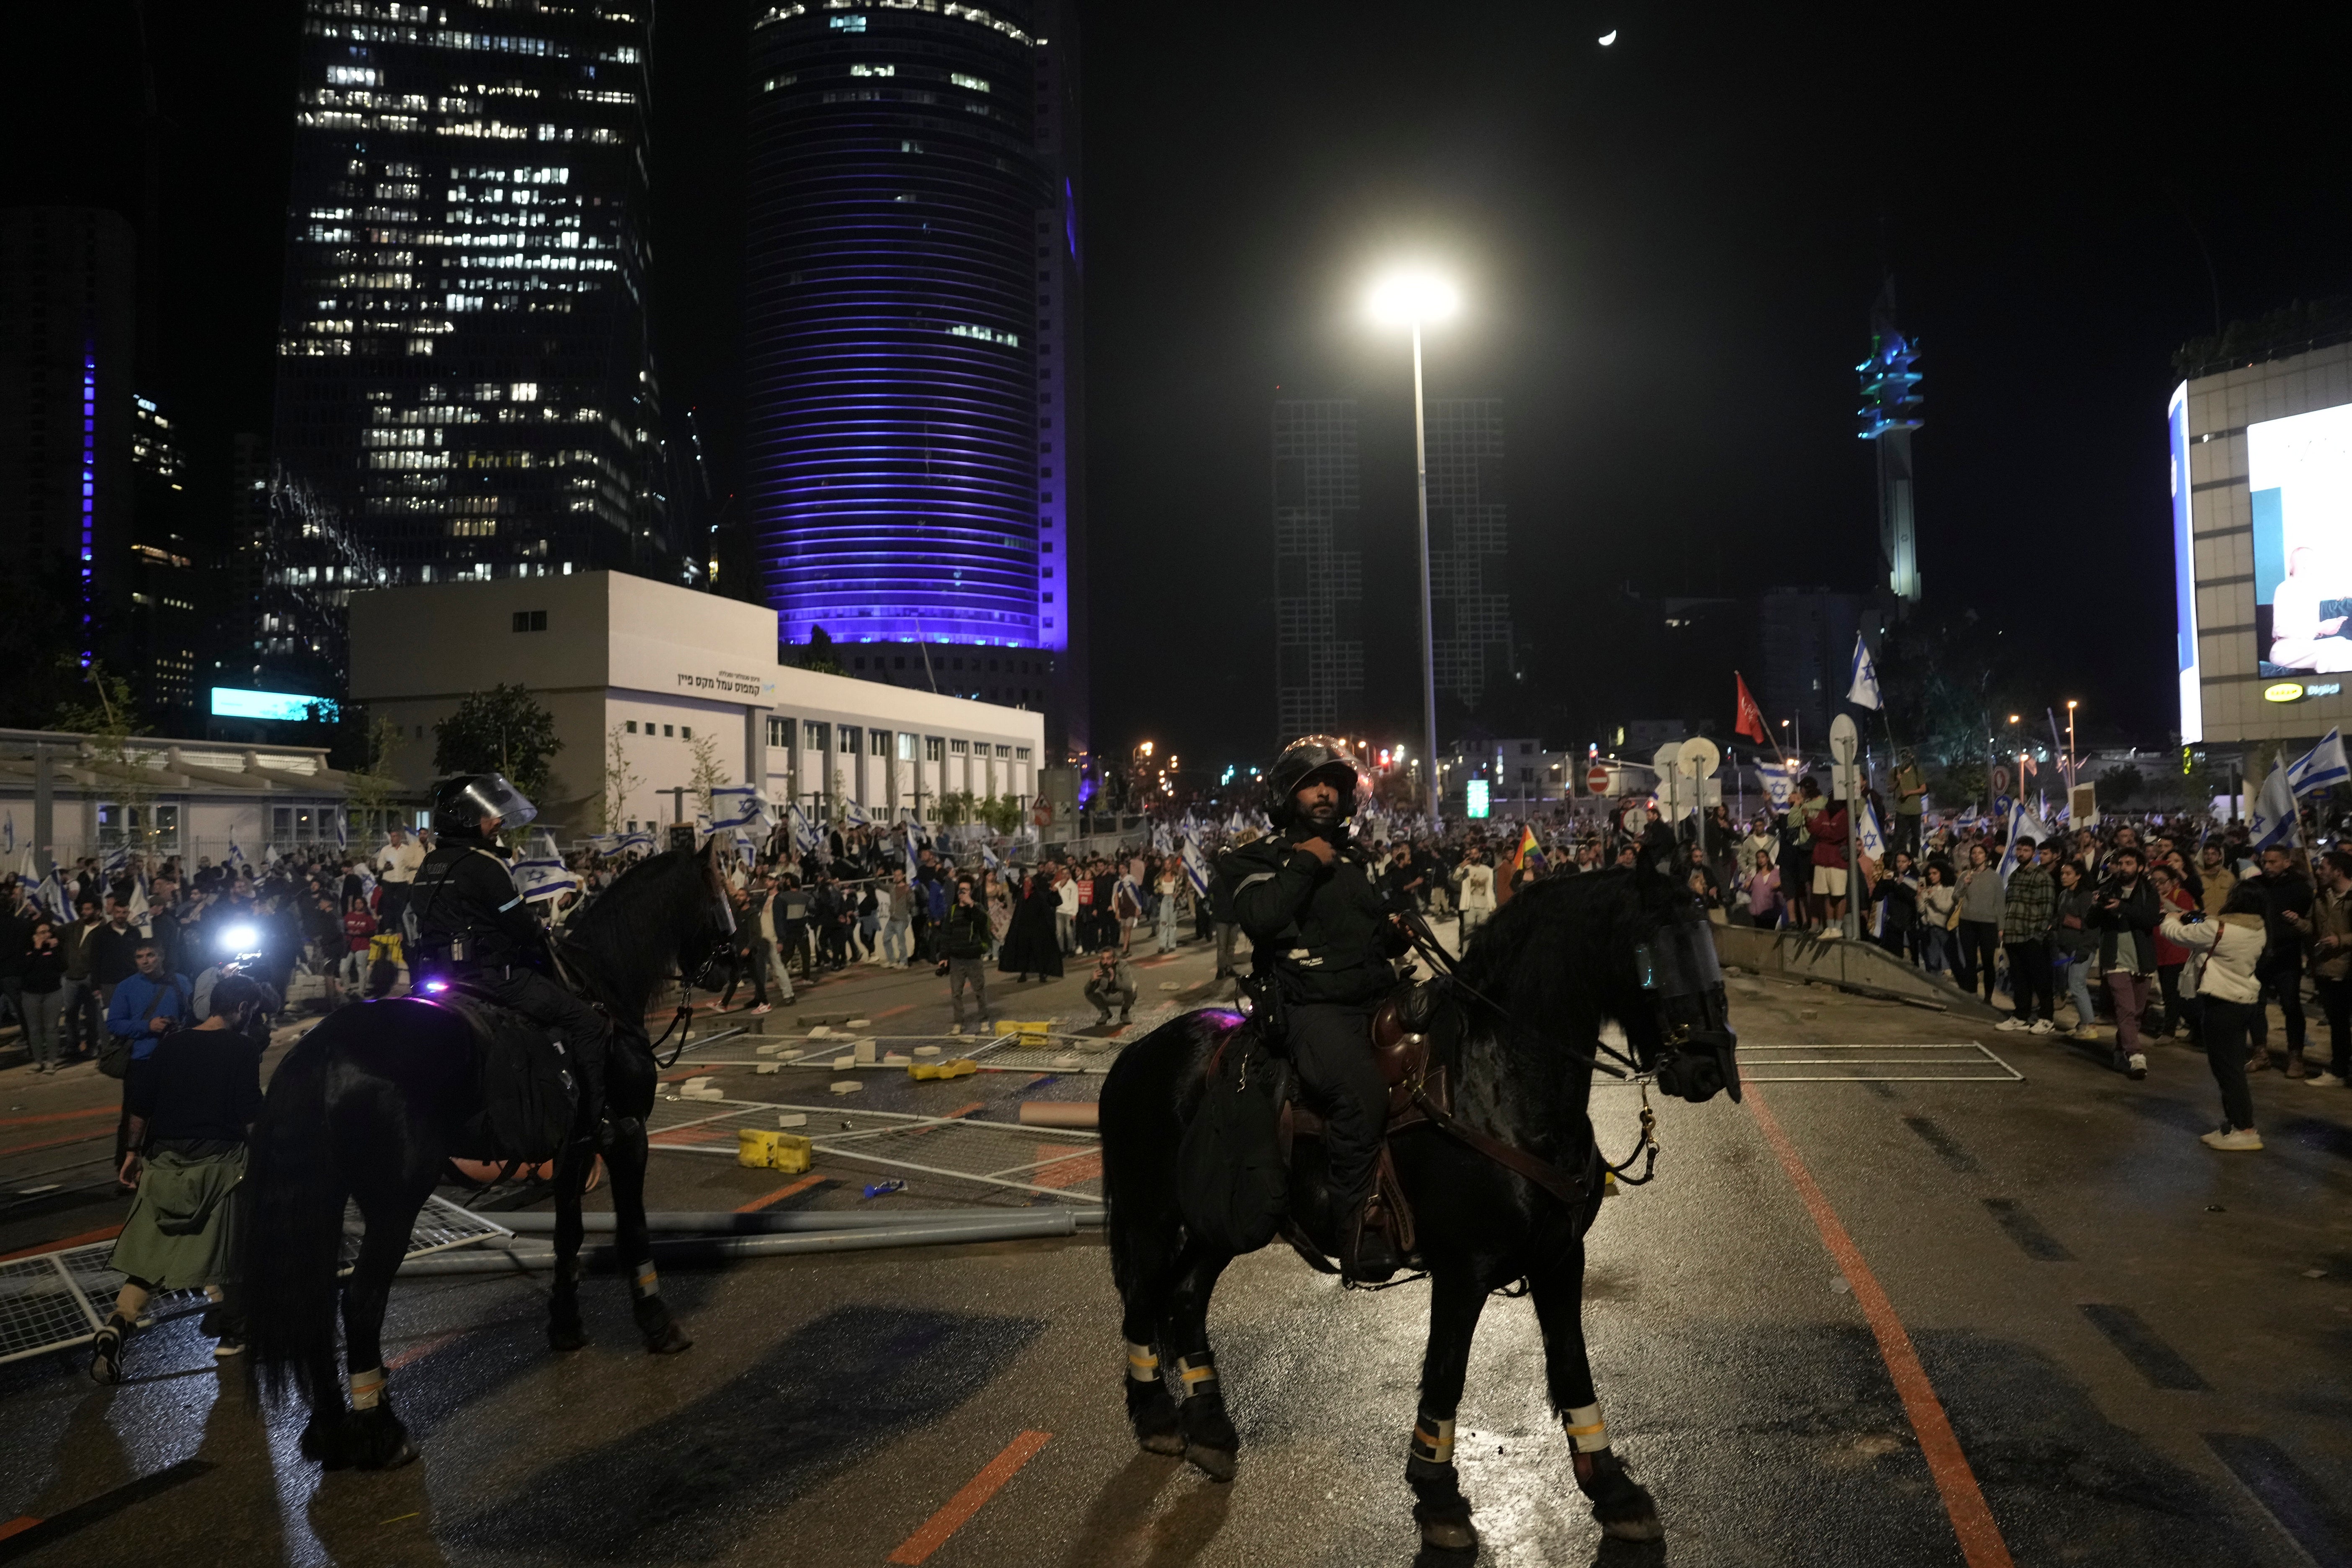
point(2184, 574)
point(236, 702)
point(2299, 492)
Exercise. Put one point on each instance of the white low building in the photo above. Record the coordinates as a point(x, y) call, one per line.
point(635, 673)
point(196, 799)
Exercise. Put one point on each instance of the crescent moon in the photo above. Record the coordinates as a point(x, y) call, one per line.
point(1608, 37)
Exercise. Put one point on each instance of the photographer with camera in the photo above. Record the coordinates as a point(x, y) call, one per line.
point(2128, 914)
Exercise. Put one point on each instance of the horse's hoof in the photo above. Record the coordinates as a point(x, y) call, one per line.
point(668, 1340)
point(400, 1455)
point(1217, 1464)
point(1642, 1527)
point(1162, 1442)
point(322, 1443)
point(1449, 1534)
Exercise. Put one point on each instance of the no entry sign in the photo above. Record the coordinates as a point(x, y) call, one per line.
point(1597, 781)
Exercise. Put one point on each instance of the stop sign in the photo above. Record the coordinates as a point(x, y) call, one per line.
point(1597, 781)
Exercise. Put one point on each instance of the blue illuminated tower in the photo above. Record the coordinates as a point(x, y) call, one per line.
point(915, 412)
point(1889, 413)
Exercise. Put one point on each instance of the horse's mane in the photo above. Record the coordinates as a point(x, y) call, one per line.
point(628, 937)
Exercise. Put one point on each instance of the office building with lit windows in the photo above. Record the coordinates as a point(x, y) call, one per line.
point(1469, 547)
point(67, 414)
point(1318, 569)
point(916, 409)
point(466, 387)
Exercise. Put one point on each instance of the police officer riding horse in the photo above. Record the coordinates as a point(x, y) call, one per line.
point(1326, 942)
point(470, 926)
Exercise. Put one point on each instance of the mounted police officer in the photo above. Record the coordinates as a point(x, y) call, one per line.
point(472, 926)
point(1324, 944)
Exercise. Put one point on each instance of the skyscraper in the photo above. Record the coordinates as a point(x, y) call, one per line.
point(1469, 545)
point(67, 412)
point(1318, 568)
point(915, 373)
point(466, 385)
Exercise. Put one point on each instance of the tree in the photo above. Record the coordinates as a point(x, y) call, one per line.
point(707, 774)
point(955, 809)
point(1001, 813)
point(502, 731)
point(109, 722)
point(818, 656)
point(369, 788)
point(2119, 784)
point(620, 782)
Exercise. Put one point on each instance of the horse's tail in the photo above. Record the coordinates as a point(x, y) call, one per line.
point(1142, 1129)
point(294, 1230)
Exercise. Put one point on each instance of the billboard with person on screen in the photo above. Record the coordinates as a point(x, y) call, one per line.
point(2299, 490)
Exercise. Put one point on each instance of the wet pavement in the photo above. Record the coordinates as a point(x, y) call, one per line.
point(2140, 1347)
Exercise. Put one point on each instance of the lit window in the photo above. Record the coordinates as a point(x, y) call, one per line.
point(850, 24)
point(874, 70)
point(525, 392)
point(973, 82)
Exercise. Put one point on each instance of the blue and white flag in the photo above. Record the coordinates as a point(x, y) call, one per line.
point(1163, 842)
point(603, 843)
point(2320, 767)
point(2022, 824)
point(854, 814)
point(343, 831)
point(803, 832)
point(117, 858)
point(8, 836)
point(1967, 818)
point(1867, 838)
point(988, 857)
point(235, 856)
point(2272, 819)
point(1863, 690)
point(744, 845)
point(639, 840)
point(1196, 868)
point(737, 806)
point(52, 898)
point(909, 817)
point(544, 878)
point(906, 837)
point(141, 915)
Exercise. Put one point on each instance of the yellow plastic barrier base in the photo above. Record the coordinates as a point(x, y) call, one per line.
point(761, 1148)
point(959, 1066)
point(1034, 1032)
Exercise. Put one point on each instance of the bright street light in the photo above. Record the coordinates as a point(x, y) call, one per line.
point(1413, 298)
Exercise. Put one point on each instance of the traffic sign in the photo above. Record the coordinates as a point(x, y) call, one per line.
point(1698, 757)
point(1635, 820)
point(1845, 739)
point(1597, 781)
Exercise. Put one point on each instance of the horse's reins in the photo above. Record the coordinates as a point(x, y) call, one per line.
point(1424, 941)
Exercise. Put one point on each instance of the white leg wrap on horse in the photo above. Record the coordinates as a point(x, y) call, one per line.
point(367, 1388)
point(645, 1281)
point(1586, 1429)
point(1142, 1363)
point(1433, 1441)
point(1195, 1373)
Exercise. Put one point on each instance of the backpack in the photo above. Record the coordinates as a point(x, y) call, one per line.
point(527, 1092)
point(1231, 1181)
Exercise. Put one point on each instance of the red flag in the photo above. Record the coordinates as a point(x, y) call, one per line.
point(1751, 718)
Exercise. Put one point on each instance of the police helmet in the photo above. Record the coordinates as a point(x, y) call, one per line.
point(459, 804)
point(1315, 759)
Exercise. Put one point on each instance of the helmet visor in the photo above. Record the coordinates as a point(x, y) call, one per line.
point(491, 794)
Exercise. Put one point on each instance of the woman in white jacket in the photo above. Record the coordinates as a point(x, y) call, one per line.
point(2227, 993)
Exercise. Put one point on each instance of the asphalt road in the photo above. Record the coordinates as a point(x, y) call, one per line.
point(2136, 1347)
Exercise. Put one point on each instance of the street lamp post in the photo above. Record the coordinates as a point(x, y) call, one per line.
point(2073, 767)
point(1413, 299)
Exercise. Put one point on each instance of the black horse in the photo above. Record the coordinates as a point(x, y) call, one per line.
point(1561, 958)
point(370, 1105)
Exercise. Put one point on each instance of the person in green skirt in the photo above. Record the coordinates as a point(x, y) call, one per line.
point(191, 1103)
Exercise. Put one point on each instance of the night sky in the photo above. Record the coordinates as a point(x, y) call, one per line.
point(1668, 248)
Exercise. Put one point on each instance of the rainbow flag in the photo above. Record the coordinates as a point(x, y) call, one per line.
point(1505, 870)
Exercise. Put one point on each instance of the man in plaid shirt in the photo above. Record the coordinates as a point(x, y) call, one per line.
point(2025, 932)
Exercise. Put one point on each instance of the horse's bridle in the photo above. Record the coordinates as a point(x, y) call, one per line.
point(1680, 974)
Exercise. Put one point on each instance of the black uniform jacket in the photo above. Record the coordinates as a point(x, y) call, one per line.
point(465, 905)
point(1322, 930)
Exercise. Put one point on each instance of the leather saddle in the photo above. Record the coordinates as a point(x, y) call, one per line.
point(527, 1091)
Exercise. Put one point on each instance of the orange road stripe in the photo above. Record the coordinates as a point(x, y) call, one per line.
point(59, 1116)
point(103, 1233)
point(1972, 1520)
point(54, 1142)
point(781, 1193)
point(894, 1011)
point(22, 1521)
point(418, 1351)
point(1073, 1167)
point(959, 1509)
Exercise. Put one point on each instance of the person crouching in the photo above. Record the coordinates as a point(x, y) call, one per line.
point(1112, 984)
point(192, 1103)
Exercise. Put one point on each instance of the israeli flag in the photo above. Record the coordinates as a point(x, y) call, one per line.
point(141, 915)
point(52, 898)
point(1867, 838)
point(1968, 817)
point(639, 840)
point(235, 856)
point(603, 843)
point(26, 875)
point(2020, 822)
point(908, 836)
point(2320, 767)
point(744, 845)
point(539, 879)
point(1863, 690)
point(343, 831)
point(854, 814)
point(988, 857)
point(1196, 868)
point(909, 817)
point(117, 858)
point(1779, 788)
point(803, 833)
point(1161, 842)
point(736, 805)
point(2272, 819)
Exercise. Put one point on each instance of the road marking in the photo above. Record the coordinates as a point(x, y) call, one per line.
point(103, 1233)
point(1972, 1520)
point(59, 1116)
point(24, 1535)
point(891, 1011)
point(54, 1142)
point(1059, 1166)
point(781, 1193)
point(419, 1351)
point(959, 1509)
